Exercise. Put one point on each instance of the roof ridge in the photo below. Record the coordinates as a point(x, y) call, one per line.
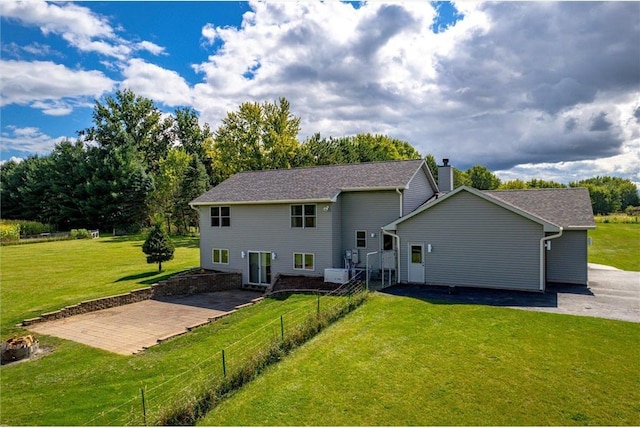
point(329, 166)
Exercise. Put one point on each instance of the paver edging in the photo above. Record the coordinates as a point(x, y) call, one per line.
point(191, 282)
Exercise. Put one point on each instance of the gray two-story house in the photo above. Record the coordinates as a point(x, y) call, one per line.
point(392, 217)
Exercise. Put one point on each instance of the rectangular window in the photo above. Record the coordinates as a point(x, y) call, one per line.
point(220, 217)
point(303, 216)
point(304, 261)
point(361, 239)
point(221, 256)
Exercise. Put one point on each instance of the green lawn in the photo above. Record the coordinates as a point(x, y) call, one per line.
point(403, 361)
point(38, 278)
point(616, 244)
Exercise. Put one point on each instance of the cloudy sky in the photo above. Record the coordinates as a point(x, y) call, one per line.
point(537, 89)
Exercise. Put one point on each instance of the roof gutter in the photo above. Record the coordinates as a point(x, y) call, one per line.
point(266, 202)
point(543, 245)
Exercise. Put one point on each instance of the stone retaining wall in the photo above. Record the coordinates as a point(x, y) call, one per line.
point(187, 283)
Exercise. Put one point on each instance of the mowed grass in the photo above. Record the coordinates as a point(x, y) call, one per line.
point(402, 361)
point(38, 278)
point(616, 244)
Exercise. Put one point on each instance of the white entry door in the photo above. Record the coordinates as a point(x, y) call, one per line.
point(416, 262)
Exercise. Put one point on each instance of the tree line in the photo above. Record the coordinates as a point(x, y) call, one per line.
point(135, 166)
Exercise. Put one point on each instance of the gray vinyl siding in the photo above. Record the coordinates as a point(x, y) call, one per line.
point(267, 228)
point(367, 211)
point(567, 259)
point(418, 193)
point(474, 243)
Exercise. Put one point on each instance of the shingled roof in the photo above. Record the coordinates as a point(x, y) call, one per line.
point(321, 183)
point(569, 208)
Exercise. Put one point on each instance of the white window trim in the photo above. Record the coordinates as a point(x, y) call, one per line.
point(213, 257)
point(365, 239)
point(304, 255)
point(315, 216)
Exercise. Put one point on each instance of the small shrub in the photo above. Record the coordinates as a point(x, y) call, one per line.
point(80, 234)
point(9, 233)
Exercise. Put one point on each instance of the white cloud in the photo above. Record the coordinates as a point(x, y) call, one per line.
point(151, 47)
point(209, 33)
point(28, 140)
point(156, 83)
point(54, 88)
point(77, 25)
point(510, 84)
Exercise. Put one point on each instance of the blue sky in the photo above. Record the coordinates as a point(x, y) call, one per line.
point(548, 90)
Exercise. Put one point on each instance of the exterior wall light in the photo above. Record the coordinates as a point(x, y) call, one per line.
point(242, 254)
point(326, 208)
point(273, 256)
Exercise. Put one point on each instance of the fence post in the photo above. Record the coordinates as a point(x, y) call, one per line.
point(318, 304)
point(282, 328)
point(224, 365)
point(144, 407)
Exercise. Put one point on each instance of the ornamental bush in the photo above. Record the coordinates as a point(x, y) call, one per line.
point(158, 246)
point(80, 234)
point(9, 232)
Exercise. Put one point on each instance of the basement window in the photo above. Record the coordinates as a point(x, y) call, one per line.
point(221, 256)
point(304, 261)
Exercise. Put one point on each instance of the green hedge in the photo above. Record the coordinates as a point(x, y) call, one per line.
point(28, 227)
point(80, 234)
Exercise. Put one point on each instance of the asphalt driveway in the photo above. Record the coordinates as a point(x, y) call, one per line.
point(129, 329)
point(611, 293)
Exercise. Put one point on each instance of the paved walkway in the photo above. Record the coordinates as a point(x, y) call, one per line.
point(131, 328)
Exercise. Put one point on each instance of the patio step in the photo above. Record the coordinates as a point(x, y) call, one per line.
point(254, 287)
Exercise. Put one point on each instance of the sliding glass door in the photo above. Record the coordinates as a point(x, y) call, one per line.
point(260, 267)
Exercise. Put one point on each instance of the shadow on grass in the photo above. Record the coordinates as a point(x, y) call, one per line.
point(179, 241)
point(475, 296)
point(153, 276)
point(138, 276)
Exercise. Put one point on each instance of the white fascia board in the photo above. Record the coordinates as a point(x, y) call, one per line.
point(547, 226)
point(371, 189)
point(279, 201)
point(579, 227)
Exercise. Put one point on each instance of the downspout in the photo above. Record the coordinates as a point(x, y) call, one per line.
point(543, 277)
point(400, 193)
point(397, 238)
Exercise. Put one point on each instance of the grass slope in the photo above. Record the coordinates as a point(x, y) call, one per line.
point(38, 278)
point(616, 244)
point(402, 361)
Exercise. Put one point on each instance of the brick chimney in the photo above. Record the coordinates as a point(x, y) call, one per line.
point(445, 176)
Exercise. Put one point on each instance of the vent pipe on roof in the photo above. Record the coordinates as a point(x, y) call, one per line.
point(445, 176)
